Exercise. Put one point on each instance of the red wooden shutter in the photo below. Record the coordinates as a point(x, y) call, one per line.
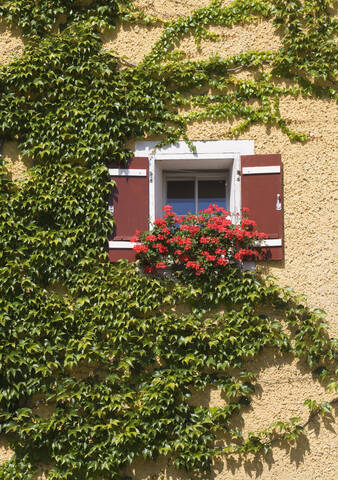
point(129, 204)
point(262, 194)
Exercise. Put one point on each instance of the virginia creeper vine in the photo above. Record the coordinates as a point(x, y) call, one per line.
point(113, 357)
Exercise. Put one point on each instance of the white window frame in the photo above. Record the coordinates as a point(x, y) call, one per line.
point(213, 155)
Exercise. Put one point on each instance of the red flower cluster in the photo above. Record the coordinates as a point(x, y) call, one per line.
point(248, 223)
point(151, 238)
point(193, 229)
point(198, 269)
point(184, 242)
point(159, 222)
point(161, 248)
point(136, 238)
point(203, 244)
point(244, 253)
point(208, 257)
point(209, 240)
point(141, 248)
point(167, 208)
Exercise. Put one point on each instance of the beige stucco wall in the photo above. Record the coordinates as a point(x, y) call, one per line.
point(11, 43)
point(17, 166)
point(310, 212)
point(5, 450)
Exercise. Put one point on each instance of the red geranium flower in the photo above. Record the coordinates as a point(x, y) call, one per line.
point(160, 265)
point(243, 253)
point(141, 248)
point(198, 243)
point(167, 208)
point(159, 222)
point(151, 238)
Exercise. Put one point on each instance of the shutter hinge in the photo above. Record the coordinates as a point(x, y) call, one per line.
point(278, 202)
point(150, 177)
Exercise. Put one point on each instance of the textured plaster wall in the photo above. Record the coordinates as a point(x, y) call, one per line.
point(11, 46)
point(233, 41)
point(11, 43)
point(310, 212)
point(5, 451)
point(171, 9)
point(129, 41)
point(16, 166)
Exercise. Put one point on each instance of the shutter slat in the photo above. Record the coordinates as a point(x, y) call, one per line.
point(129, 203)
point(262, 194)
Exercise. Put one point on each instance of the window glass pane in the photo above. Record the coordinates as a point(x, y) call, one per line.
point(181, 196)
point(211, 191)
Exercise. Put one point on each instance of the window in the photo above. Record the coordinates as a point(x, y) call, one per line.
point(190, 192)
point(223, 172)
point(218, 160)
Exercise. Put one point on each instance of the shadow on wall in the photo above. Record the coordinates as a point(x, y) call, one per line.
point(264, 268)
point(283, 383)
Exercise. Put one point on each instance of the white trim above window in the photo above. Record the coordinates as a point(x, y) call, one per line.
point(218, 147)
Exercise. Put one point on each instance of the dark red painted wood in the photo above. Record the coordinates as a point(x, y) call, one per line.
point(259, 194)
point(130, 199)
point(115, 254)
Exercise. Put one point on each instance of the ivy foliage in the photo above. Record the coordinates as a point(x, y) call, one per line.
point(117, 362)
point(66, 97)
point(38, 19)
point(113, 356)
